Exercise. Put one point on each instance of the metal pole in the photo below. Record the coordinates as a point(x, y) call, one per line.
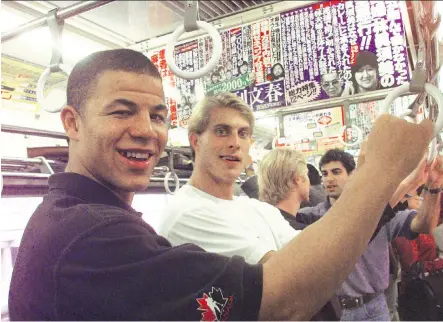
point(62, 14)
point(34, 132)
point(23, 161)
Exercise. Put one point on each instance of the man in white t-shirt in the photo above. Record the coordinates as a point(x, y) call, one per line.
point(205, 211)
point(220, 130)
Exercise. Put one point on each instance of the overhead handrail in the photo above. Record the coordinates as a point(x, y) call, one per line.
point(55, 102)
point(191, 23)
point(24, 161)
point(63, 14)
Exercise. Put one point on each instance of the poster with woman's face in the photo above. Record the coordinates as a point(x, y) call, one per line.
point(346, 47)
point(324, 50)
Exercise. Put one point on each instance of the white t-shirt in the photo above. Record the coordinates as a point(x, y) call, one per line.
point(242, 226)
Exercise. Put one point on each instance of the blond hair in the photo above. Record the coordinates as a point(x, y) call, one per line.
point(201, 113)
point(276, 173)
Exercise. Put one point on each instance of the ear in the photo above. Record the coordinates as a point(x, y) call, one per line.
point(71, 122)
point(298, 180)
point(193, 140)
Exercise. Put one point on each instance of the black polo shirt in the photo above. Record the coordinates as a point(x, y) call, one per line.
point(86, 255)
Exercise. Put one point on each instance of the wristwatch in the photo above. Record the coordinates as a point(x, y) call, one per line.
point(435, 191)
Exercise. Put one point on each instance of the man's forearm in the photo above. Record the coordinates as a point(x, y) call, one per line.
point(309, 270)
point(428, 214)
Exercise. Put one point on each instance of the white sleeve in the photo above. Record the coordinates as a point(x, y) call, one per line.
point(211, 230)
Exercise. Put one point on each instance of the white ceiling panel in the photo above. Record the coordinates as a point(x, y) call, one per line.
point(136, 20)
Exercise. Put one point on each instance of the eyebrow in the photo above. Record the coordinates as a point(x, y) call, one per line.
point(133, 106)
point(160, 108)
point(331, 170)
point(227, 126)
point(121, 101)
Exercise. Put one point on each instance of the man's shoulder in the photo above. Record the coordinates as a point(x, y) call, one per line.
point(318, 210)
point(186, 199)
point(66, 218)
point(259, 206)
point(68, 208)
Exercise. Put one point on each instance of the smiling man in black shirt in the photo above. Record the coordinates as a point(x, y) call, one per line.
point(87, 255)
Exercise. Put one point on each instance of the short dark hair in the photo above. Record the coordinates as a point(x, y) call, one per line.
point(346, 159)
point(314, 175)
point(87, 71)
point(364, 58)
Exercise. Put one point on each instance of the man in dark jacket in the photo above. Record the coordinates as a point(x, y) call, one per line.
point(284, 182)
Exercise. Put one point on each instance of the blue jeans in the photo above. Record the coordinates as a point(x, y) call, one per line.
point(374, 310)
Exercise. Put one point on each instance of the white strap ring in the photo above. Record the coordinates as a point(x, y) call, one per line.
point(430, 89)
point(166, 183)
point(436, 95)
point(216, 52)
point(41, 86)
point(434, 151)
point(359, 136)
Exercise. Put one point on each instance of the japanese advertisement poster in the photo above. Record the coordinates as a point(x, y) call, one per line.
point(342, 48)
point(363, 115)
point(325, 50)
point(315, 131)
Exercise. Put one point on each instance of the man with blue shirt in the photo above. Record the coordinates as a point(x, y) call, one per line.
point(362, 294)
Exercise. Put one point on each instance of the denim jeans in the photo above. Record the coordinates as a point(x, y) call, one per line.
point(374, 310)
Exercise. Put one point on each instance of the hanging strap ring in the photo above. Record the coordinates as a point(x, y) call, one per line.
point(191, 23)
point(41, 85)
point(171, 173)
point(166, 182)
point(436, 95)
point(56, 63)
point(216, 52)
point(359, 136)
point(430, 89)
point(433, 151)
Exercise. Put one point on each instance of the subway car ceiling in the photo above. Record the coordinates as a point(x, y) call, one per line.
point(144, 26)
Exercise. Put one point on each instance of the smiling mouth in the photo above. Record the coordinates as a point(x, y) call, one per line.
point(135, 155)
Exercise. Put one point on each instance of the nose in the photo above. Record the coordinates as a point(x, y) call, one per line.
point(234, 141)
point(365, 73)
point(328, 179)
point(143, 127)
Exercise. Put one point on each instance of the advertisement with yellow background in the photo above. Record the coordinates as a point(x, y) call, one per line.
point(19, 81)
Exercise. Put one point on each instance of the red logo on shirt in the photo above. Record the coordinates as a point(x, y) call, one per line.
point(215, 307)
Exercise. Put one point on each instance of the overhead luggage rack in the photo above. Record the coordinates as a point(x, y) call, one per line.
point(29, 176)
